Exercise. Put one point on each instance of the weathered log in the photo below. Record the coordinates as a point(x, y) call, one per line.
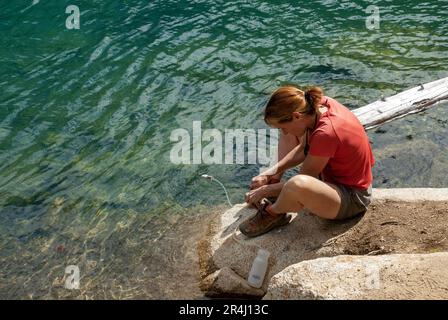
point(407, 102)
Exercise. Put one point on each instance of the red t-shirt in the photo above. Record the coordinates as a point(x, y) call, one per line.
point(340, 136)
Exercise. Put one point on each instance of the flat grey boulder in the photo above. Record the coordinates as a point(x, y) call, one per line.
point(396, 276)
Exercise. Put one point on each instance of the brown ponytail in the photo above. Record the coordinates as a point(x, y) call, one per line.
point(313, 96)
point(288, 99)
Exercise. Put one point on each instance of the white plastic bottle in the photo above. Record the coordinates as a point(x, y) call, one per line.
point(258, 270)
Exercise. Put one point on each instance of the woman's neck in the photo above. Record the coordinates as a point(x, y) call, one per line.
point(313, 121)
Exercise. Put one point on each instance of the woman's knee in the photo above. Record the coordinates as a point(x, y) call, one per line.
point(288, 139)
point(298, 182)
point(286, 143)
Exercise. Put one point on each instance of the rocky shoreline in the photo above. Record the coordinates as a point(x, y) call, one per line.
point(396, 250)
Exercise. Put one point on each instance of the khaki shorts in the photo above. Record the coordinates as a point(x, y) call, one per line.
point(353, 201)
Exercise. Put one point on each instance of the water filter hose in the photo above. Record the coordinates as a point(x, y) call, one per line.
point(234, 237)
point(211, 178)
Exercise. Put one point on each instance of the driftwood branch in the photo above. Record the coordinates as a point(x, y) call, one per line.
point(407, 102)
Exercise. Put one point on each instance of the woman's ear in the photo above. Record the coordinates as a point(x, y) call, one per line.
point(296, 115)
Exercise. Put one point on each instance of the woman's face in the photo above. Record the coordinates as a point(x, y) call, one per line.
point(297, 126)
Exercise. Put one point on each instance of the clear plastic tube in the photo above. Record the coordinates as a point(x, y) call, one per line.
point(224, 188)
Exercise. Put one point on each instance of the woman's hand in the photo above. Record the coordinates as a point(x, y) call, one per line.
point(262, 180)
point(254, 196)
point(259, 181)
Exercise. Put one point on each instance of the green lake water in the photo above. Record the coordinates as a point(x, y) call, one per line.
point(86, 116)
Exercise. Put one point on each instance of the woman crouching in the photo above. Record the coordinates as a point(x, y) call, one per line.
point(335, 179)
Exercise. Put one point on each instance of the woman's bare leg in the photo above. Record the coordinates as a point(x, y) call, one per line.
point(302, 191)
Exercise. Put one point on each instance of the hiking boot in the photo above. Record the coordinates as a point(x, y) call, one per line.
point(263, 222)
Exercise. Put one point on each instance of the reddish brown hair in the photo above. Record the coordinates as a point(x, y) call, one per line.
point(288, 99)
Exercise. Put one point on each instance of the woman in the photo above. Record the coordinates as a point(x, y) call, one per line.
point(335, 179)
